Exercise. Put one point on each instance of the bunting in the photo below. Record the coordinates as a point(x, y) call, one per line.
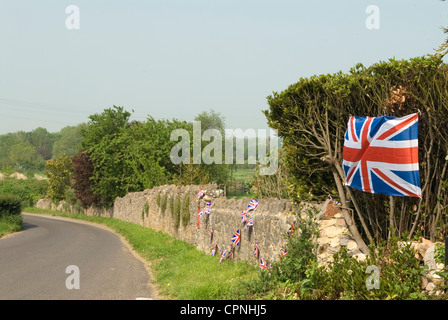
point(236, 238)
point(262, 264)
point(256, 249)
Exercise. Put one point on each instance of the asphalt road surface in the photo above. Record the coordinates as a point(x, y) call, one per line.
point(60, 259)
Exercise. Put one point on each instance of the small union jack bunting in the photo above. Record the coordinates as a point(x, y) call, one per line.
point(237, 237)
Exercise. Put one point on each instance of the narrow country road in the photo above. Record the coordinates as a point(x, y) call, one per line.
point(52, 256)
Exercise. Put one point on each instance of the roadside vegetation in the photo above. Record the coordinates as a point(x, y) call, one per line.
point(10, 214)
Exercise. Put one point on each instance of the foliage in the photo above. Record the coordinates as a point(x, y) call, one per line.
point(276, 185)
point(27, 151)
point(311, 115)
point(301, 255)
point(400, 276)
point(300, 276)
point(69, 141)
point(128, 156)
point(10, 223)
point(18, 153)
point(82, 184)
point(10, 204)
point(214, 172)
point(59, 172)
point(439, 253)
point(29, 190)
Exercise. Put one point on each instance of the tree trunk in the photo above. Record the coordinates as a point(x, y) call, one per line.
point(352, 227)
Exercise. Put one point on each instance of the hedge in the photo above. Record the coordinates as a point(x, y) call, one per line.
point(10, 205)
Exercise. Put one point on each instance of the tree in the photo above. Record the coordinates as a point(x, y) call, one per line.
point(82, 184)
point(312, 116)
point(59, 172)
point(69, 141)
point(42, 140)
point(217, 173)
point(18, 153)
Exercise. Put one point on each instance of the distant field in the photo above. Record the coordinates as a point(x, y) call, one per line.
point(243, 174)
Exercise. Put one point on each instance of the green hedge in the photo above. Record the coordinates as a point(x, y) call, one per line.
point(10, 205)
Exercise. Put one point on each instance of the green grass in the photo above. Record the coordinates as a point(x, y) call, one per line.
point(181, 271)
point(9, 224)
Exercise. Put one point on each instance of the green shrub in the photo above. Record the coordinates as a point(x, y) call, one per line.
point(29, 191)
point(399, 276)
point(10, 204)
point(10, 223)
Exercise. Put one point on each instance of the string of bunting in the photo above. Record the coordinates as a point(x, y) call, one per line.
point(236, 237)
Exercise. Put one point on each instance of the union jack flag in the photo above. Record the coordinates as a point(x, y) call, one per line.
point(213, 250)
point(223, 255)
point(292, 228)
point(270, 265)
point(381, 155)
point(201, 193)
point(253, 205)
point(256, 249)
point(250, 223)
point(243, 216)
point(237, 237)
point(229, 256)
point(284, 253)
point(205, 211)
point(334, 201)
point(263, 264)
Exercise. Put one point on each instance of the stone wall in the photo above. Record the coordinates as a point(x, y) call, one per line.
point(271, 222)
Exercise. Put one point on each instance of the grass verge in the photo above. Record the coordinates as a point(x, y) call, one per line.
point(181, 271)
point(10, 224)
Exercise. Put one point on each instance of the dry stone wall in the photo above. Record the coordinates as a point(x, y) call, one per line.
point(173, 210)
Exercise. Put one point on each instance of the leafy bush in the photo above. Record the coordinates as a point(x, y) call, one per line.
point(10, 204)
point(299, 276)
point(293, 268)
point(29, 191)
point(59, 172)
point(400, 276)
point(312, 114)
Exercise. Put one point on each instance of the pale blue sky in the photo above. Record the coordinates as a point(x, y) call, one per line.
point(174, 59)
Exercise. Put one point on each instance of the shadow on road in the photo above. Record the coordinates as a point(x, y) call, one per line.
point(27, 225)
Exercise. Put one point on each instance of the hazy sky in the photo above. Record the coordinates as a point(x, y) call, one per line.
point(175, 59)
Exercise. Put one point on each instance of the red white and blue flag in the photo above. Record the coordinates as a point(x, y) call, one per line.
point(250, 223)
point(256, 249)
point(283, 252)
point(263, 264)
point(205, 211)
point(243, 216)
point(223, 255)
point(381, 155)
point(253, 205)
point(237, 237)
